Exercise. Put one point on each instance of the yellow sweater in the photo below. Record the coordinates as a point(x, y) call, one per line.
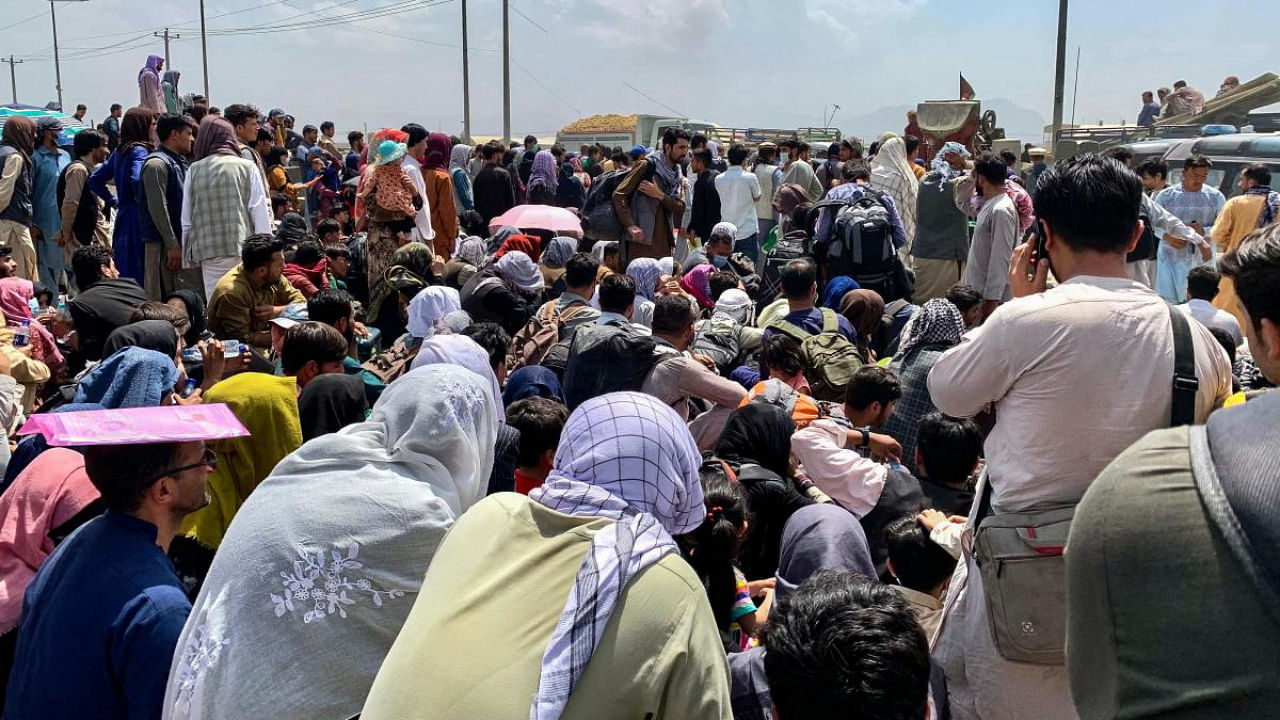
point(1238, 218)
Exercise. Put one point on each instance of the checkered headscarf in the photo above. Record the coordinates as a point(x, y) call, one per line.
point(628, 457)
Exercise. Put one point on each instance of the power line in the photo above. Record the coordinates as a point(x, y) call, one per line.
point(650, 99)
point(385, 11)
point(16, 24)
point(531, 20)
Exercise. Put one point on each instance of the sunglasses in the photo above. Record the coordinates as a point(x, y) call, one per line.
point(209, 460)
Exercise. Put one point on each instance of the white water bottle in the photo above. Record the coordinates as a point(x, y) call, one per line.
point(22, 336)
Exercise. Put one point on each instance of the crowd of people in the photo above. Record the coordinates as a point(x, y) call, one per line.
point(888, 431)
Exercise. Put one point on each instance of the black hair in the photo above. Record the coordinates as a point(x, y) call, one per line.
point(527, 139)
point(166, 125)
point(1254, 265)
point(416, 133)
point(305, 128)
point(671, 136)
point(738, 154)
point(493, 339)
point(329, 306)
point(912, 142)
point(311, 340)
point(721, 281)
point(308, 253)
point(611, 248)
point(845, 646)
point(1258, 173)
point(116, 106)
point(156, 310)
point(617, 293)
point(1090, 203)
point(802, 148)
point(237, 113)
point(1202, 283)
point(264, 135)
point(337, 251)
point(353, 136)
point(473, 223)
point(1196, 161)
point(855, 170)
point(43, 292)
point(702, 155)
point(1122, 155)
point(712, 547)
point(798, 277)
point(672, 314)
point(492, 148)
point(325, 227)
point(257, 251)
point(782, 352)
point(875, 148)
point(87, 264)
point(326, 125)
point(580, 270)
point(1009, 158)
point(697, 141)
point(275, 156)
point(949, 447)
point(277, 202)
point(336, 208)
point(991, 168)
point(123, 473)
point(1227, 342)
point(540, 421)
point(1154, 168)
point(918, 562)
point(872, 383)
point(964, 297)
point(87, 141)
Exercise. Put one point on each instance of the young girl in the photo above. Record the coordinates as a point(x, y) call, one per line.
point(392, 190)
point(712, 549)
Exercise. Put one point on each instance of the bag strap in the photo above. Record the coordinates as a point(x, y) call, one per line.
point(795, 332)
point(1185, 383)
point(830, 321)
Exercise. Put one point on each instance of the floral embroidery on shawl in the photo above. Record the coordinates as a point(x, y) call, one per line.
point(325, 584)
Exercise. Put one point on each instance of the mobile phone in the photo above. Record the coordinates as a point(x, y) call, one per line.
point(1036, 231)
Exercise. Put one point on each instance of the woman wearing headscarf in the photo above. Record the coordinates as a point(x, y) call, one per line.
point(462, 199)
point(465, 263)
point(697, 282)
point(507, 292)
point(570, 192)
point(123, 169)
point(544, 179)
point(430, 306)
point(410, 271)
point(934, 329)
point(191, 303)
point(836, 289)
point(325, 559)
point(17, 144)
point(891, 173)
point(864, 310)
point(588, 568)
point(756, 443)
point(150, 91)
point(558, 252)
point(531, 381)
point(47, 501)
point(509, 238)
point(169, 86)
point(133, 377)
point(647, 273)
point(16, 295)
point(331, 402)
point(440, 194)
point(268, 407)
point(223, 203)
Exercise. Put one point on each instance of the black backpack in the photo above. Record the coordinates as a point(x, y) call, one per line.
point(792, 246)
point(719, 338)
point(599, 219)
point(605, 359)
point(861, 238)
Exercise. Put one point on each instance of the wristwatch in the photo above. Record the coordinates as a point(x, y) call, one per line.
point(866, 437)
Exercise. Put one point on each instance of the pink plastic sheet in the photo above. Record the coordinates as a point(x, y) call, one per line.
point(134, 426)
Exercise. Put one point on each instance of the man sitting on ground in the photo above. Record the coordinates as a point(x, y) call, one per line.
point(106, 300)
point(312, 349)
point(252, 293)
point(617, 301)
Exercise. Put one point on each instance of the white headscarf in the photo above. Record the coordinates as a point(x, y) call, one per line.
point(323, 561)
point(892, 174)
point(736, 304)
point(428, 307)
point(458, 156)
point(462, 351)
point(628, 457)
point(516, 267)
point(472, 249)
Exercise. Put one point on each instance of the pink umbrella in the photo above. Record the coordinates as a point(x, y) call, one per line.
point(539, 217)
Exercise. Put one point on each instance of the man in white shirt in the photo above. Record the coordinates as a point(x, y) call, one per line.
point(994, 236)
point(739, 190)
point(1202, 288)
point(415, 151)
point(1075, 374)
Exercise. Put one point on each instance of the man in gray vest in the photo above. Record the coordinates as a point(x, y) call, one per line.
point(17, 144)
point(941, 244)
point(163, 175)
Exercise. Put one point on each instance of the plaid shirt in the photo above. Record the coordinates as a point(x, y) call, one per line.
point(223, 202)
point(915, 402)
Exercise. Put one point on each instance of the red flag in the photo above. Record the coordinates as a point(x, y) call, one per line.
point(966, 90)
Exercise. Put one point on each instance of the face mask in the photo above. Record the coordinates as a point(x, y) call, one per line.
point(784, 157)
point(719, 261)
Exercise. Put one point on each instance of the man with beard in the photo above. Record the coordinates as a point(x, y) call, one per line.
point(651, 221)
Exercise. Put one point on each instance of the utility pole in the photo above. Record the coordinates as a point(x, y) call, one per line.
point(466, 81)
point(167, 37)
point(506, 72)
point(1060, 72)
point(204, 53)
point(13, 76)
point(57, 65)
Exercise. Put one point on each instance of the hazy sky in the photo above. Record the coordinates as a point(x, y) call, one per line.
point(734, 62)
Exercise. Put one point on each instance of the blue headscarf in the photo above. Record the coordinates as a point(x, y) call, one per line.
point(132, 377)
point(531, 381)
point(836, 290)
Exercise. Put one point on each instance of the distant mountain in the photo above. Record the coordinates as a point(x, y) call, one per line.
point(1018, 122)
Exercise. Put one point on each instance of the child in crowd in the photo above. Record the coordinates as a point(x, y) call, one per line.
point(540, 421)
point(921, 567)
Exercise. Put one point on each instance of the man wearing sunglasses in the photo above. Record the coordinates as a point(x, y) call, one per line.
point(102, 617)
